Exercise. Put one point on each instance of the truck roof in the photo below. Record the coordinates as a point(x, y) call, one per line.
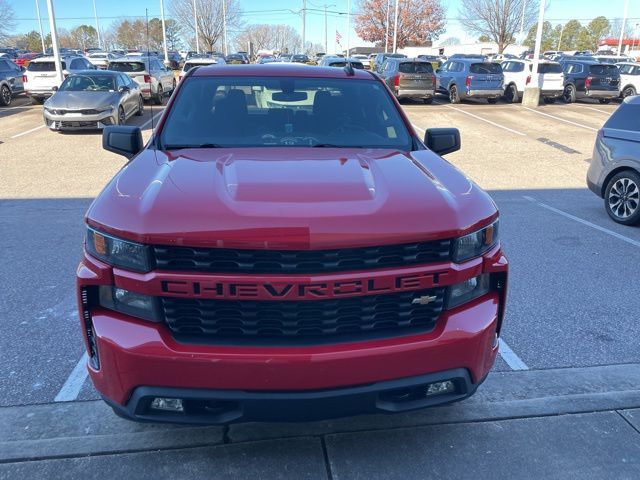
point(279, 70)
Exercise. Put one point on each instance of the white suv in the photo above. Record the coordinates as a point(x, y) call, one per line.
point(629, 78)
point(154, 78)
point(40, 77)
point(517, 75)
point(199, 62)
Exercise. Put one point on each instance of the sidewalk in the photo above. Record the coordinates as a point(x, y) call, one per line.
point(581, 423)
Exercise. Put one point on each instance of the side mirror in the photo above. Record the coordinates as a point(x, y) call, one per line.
point(124, 89)
point(442, 140)
point(124, 140)
point(438, 70)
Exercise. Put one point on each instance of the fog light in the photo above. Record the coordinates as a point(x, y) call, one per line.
point(440, 388)
point(167, 404)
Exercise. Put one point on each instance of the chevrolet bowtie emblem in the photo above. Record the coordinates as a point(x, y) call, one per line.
point(424, 300)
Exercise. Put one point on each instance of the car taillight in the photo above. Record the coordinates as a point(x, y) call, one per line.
point(396, 80)
point(528, 80)
point(467, 81)
point(24, 79)
point(587, 82)
point(147, 79)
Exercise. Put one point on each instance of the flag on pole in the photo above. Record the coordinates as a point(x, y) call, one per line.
point(338, 37)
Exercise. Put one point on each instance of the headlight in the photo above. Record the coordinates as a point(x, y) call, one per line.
point(468, 290)
point(129, 303)
point(118, 253)
point(475, 244)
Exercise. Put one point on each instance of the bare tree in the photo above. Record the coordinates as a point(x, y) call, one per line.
point(269, 37)
point(7, 19)
point(500, 20)
point(210, 23)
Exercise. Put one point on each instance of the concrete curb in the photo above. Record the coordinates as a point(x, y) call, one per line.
point(90, 428)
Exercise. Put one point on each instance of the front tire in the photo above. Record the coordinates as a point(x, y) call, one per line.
point(159, 96)
point(569, 94)
point(622, 198)
point(140, 110)
point(122, 117)
point(5, 96)
point(628, 92)
point(454, 97)
point(511, 95)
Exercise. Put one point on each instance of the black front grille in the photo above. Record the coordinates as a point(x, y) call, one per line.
point(348, 319)
point(78, 124)
point(223, 260)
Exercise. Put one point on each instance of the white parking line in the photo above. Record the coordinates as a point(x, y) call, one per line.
point(631, 241)
point(487, 121)
point(71, 388)
point(28, 131)
point(152, 118)
point(509, 356)
point(604, 112)
point(561, 119)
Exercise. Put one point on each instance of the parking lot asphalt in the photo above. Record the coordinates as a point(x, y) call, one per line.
point(573, 293)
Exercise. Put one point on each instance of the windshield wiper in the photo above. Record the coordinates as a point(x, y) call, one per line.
point(181, 147)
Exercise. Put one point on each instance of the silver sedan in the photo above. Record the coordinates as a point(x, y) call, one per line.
point(91, 99)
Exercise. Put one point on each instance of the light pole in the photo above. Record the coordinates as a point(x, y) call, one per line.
point(326, 41)
point(624, 24)
point(44, 49)
point(164, 33)
point(95, 14)
point(304, 24)
point(531, 96)
point(224, 27)
point(524, 6)
point(348, 26)
point(195, 25)
point(386, 33)
point(54, 40)
point(560, 39)
point(395, 28)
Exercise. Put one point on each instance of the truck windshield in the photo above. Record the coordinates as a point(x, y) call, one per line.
point(282, 111)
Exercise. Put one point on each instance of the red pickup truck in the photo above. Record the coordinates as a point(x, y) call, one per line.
point(285, 247)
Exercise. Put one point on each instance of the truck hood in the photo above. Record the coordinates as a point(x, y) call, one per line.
point(289, 198)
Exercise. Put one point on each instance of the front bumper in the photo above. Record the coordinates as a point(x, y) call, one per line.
point(137, 357)
point(228, 406)
point(79, 122)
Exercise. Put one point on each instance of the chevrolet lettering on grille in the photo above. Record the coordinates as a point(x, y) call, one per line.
point(298, 291)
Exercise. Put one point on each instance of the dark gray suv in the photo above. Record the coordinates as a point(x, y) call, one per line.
point(410, 78)
point(614, 173)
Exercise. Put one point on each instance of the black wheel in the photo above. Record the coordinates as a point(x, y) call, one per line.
point(428, 101)
point(549, 99)
point(5, 96)
point(122, 118)
point(159, 96)
point(604, 101)
point(622, 198)
point(453, 94)
point(628, 92)
point(140, 110)
point(37, 100)
point(569, 94)
point(492, 101)
point(511, 95)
